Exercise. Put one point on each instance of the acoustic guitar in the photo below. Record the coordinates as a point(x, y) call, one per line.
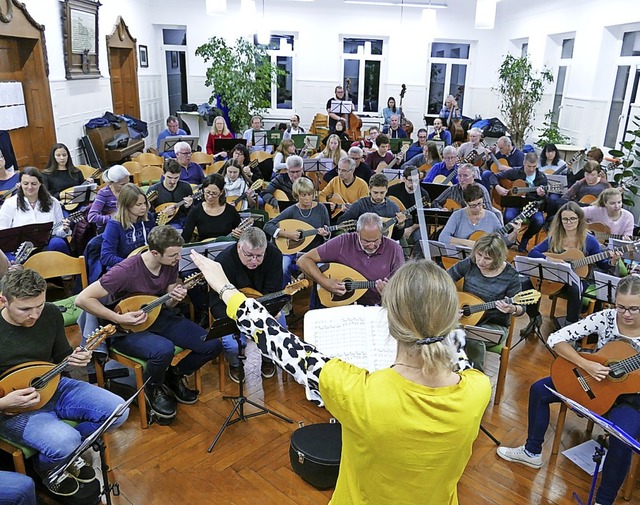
point(165, 212)
point(237, 203)
point(599, 396)
point(473, 307)
point(289, 290)
point(603, 233)
point(356, 285)
point(274, 210)
point(306, 232)
point(580, 263)
point(447, 179)
point(339, 204)
point(150, 304)
point(520, 188)
point(396, 159)
point(498, 165)
point(44, 376)
point(530, 209)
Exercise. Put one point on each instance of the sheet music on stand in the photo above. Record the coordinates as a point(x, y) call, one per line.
point(481, 334)
point(207, 249)
point(168, 143)
point(439, 249)
point(543, 269)
point(317, 165)
point(341, 107)
point(605, 424)
point(606, 286)
point(257, 217)
point(260, 139)
point(356, 334)
point(392, 173)
point(80, 194)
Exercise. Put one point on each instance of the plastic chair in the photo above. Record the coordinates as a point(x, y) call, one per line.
point(52, 264)
point(147, 175)
point(202, 158)
point(147, 159)
point(133, 167)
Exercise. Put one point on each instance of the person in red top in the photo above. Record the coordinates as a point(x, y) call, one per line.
point(219, 130)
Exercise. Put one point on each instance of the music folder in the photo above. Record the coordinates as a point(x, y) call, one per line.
point(37, 233)
point(434, 190)
point(486, 335)
point(304, 140)
point(168, 143)
point(227, 145)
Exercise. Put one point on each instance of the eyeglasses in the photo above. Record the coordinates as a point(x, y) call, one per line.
point(250, 256)
point(294, 171)
point(569, 219)
point(475, 205)
point(185, 153)
point(343, 170)
point(634, 311)
point(211, 194)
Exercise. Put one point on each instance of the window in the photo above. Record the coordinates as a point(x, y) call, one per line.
point(362, 61)
point(630, 44)
point(566, 53)
point(280, 50)
point(524, 49)
point(448, 74)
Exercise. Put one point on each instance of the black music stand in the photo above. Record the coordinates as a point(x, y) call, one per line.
point(83, 193)
point(609, 428)
point(606, 286)
point(226, 326)
point(260, 140)
point(227, 145)
point(96, 442)
point(319, 166)
point(37, 233)
point(539, 270)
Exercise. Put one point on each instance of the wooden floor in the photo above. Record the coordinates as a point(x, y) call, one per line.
point(168, 465)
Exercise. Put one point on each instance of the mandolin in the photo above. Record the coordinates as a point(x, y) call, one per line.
point(23, 252)
point(237, 203)
point(530, 209)
point(165, 212)
point(74, 217)
point(580, 263)
point(44, 376)
point(396, 159)
point(355, 284)
point(9, 193)
point(599, 396)
point(289, 290)
point(340, 205)
point(472, 314)
point(307, 233)
point(389, 223)
point(150, 304)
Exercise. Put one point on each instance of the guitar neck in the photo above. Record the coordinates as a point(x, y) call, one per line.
point(481, 307)
point(271, 296)
point(450, 177)
point(351, 285)
point(594, 258)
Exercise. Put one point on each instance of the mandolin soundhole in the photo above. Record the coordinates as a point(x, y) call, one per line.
point(348, 293)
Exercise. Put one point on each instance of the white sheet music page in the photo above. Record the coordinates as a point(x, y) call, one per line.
point(356, 334)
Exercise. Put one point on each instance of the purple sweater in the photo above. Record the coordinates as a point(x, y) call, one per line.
point(102, 208)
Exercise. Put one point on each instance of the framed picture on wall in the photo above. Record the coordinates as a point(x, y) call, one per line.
point(80, 38)
point(174, 59)
point(144, 56)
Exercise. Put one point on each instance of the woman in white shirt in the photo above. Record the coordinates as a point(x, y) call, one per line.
point(33, 204)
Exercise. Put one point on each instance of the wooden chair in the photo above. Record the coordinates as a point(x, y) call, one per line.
point(147, 159)
point(133, 167)
point(20, 453)
point(586, 298)
point(138, 366)
point(202, 158)
point(147, 175)
point(87, 171)
point(260, 156)
point(214, 168)
point(51, 264)
point(504, 350)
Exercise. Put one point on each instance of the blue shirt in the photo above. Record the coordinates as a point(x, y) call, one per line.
point(441, 169)
point(163, 135)
point(445, 136)
point(193, 174)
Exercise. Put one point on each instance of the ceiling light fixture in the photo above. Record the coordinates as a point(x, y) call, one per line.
point(432, 5)
point(216, 7)
point(485, 14)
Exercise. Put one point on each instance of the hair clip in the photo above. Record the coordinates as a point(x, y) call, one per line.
point(429, 340)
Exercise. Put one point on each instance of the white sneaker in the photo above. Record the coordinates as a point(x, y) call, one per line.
point(518, 455)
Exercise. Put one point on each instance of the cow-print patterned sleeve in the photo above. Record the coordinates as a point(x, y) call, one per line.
point(301, 360)
point(602, 323)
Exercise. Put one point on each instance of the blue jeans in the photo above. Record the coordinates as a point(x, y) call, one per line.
point(535, 224)
point(230, 344)
point(16, 489)
point(624, 415)
point(156, 345)
point(44, 431)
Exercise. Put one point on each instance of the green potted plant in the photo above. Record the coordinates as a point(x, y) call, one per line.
point(520, 89)
point(241, 75)
point(550, 134)
point(629, 154)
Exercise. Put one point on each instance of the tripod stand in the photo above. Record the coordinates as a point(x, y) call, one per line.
point(240, 400)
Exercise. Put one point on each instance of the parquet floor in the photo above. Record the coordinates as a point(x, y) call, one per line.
point(170, 465)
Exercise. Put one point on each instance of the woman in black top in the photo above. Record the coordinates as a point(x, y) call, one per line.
point(213, 217)
point(60, 172)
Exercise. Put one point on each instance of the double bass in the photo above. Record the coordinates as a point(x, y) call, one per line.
point(354, 123)
point(454, 125)
point(405, 124)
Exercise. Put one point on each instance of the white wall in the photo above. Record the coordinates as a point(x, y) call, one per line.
point(318, 64)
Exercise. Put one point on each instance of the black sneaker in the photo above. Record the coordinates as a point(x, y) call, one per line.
point(234, 374)
point(66, 487)
point(160, 402)
point(82, 471)
point(178, 386)
point(267, 369)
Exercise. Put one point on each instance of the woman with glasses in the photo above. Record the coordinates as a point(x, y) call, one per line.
point(106, 200)
point(129, 228)
point(473, 218)
point(213, 217)
point(619, 323)
point(568, 230)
